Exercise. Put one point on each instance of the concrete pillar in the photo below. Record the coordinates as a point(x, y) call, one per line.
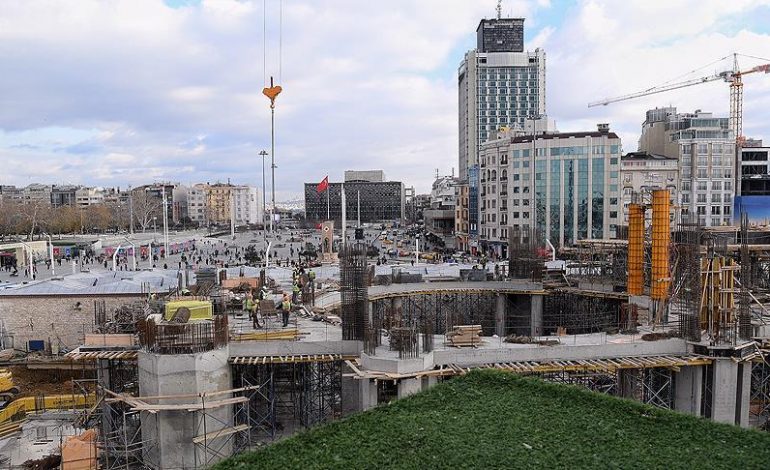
point(173, 431)
point(408, 387)
point(350, 395)
point(368, 388)
point(536, 309)
point(688, 389)
point(743, 394)
point(500, 316)
point(723, 406)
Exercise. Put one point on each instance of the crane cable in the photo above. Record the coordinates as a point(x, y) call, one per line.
point(264, 42)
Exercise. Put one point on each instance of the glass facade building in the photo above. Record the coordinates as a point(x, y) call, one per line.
point(564, 184)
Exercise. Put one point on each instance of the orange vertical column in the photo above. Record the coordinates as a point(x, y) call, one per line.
point(635, 249)
point(661, 238)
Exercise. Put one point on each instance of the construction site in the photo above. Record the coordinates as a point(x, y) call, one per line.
point(674, 317)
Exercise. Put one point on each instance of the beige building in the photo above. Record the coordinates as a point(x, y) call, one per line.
point(642, 172)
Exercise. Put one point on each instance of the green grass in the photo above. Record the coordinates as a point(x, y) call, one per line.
point(491, 419)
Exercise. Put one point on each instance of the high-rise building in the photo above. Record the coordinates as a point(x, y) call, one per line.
point(500, 35)
point(499, 85)
point(564, 184)
point(704, 147)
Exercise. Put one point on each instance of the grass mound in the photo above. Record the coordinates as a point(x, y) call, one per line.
point(493, 419)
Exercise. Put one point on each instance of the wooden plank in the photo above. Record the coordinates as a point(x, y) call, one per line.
point(221, 433)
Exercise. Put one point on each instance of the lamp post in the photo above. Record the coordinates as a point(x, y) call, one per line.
point(264, 191)
point(130, 210)
point(165, 221)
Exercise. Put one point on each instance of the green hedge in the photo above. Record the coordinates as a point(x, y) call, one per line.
point(492, 419)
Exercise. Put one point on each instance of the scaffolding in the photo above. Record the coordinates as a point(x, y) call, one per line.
point(437, 312)
point(578, 312)
point(131, 424)
point(289, 396)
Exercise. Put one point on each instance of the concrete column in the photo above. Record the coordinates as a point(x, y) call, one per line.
point(743, 394)
point(408, 387)
point(723, 406)
point(350, 395)
point(173, 431)
point(536, 309)
point(688, 389)
point(368, 389)
point(500, 316)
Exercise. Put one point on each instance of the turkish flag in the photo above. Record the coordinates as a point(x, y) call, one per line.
point(323, 185)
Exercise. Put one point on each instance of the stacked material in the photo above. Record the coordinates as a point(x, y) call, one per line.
point(283, 335)
point(465, 335)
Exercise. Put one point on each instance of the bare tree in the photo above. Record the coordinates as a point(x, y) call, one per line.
point(146, 207)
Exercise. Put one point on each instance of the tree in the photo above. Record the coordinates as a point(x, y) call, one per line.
point(145, 208)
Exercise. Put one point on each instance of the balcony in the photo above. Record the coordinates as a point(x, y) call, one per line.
point(503, 193)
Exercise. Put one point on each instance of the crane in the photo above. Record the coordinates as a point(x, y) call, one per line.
point(734, 77)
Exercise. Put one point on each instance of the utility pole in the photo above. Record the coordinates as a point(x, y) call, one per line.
point(272, 93)
point(264, 191)
point(165, 222)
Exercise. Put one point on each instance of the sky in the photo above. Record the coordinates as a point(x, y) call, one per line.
point(112, 93)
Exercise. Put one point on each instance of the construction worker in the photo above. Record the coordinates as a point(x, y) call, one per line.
point(295, 292)
point(285, 309)
point(252, 308)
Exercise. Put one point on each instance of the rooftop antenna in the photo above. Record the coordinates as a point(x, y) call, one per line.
point(499, 9)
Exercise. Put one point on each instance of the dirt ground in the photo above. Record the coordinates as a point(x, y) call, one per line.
point(48, 382)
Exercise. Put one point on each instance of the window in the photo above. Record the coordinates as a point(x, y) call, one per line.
point(701, 198)
point(716, 197)
point(715, 210)
point(702, 185)
point(717, 185)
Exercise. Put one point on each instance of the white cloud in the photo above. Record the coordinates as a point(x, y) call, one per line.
point(369, 84)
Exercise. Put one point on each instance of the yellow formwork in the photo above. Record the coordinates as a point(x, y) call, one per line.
point(49, 402)
point(635, 249)
point(661, 238)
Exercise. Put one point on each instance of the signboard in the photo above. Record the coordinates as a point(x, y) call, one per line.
point(757, 208)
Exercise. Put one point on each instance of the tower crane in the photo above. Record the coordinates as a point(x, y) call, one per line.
point(733, 77)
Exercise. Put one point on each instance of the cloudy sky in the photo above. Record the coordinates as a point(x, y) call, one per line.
point(132, 91)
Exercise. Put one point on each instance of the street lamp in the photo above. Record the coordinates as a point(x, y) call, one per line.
point(264, 154)
point(130, 210)
point(154, 228)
